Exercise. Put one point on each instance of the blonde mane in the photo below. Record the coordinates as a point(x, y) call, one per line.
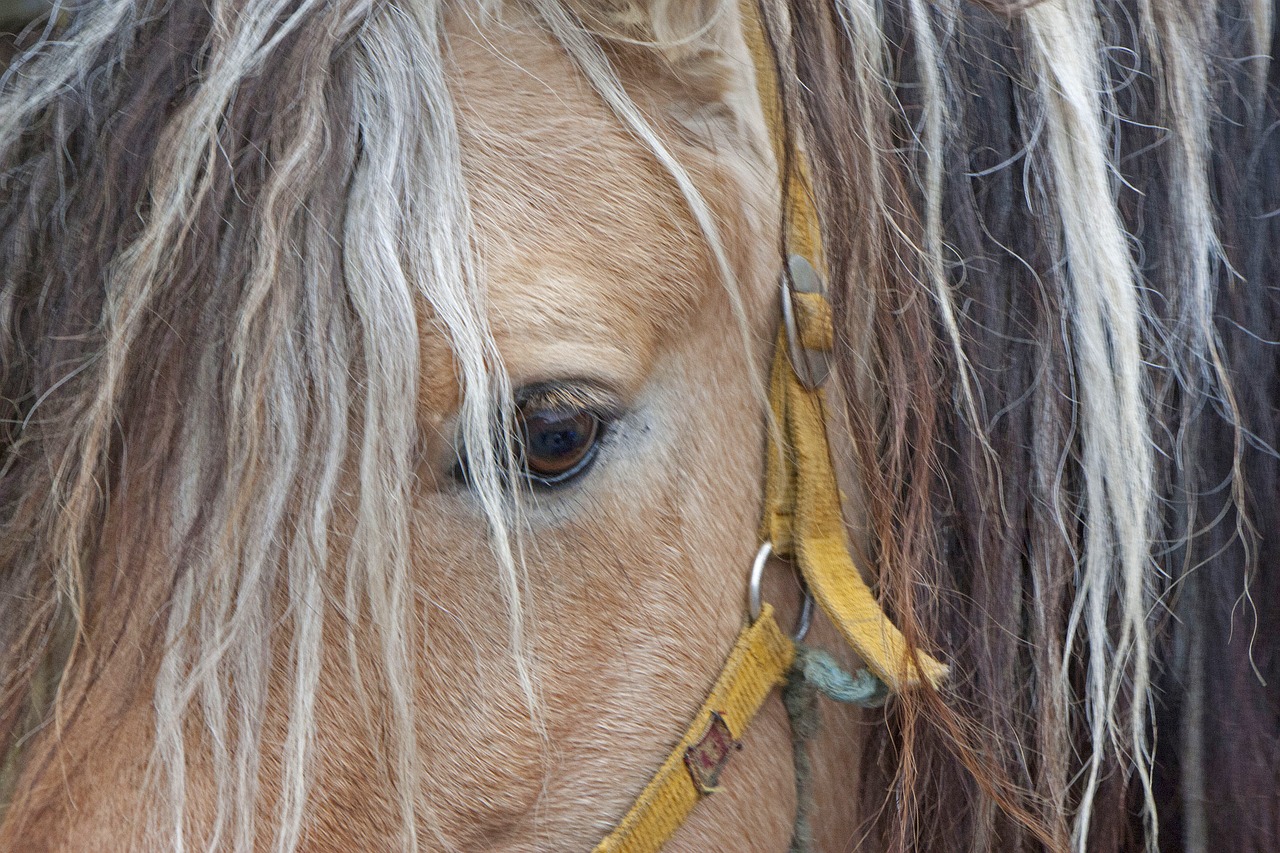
point(294, 382)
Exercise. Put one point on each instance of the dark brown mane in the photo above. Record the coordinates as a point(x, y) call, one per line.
point(981, 524)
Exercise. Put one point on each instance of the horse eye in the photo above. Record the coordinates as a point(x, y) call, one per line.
point(557, 445)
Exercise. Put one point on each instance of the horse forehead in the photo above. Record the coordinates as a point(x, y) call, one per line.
point(587, 253)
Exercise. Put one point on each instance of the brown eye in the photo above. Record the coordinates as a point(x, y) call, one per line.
point(557, 445)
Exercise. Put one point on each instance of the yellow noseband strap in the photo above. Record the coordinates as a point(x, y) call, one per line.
point(758, 663)
point(803, 523)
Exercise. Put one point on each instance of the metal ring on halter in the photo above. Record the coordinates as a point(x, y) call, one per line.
point(811, 366)
point(755, 598)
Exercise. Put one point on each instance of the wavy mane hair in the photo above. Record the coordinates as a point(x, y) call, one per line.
point(1052, 241)
point(1057, 223)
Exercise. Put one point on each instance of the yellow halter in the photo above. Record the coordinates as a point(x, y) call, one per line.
point(802, 523)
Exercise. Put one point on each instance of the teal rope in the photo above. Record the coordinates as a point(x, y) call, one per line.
point(815, 672)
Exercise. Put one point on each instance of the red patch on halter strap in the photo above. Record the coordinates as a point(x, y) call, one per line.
point(707, 758)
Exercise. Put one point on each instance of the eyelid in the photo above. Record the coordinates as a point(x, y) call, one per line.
point(569, 396)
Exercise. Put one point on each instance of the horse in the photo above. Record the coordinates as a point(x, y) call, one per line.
point(385, 393)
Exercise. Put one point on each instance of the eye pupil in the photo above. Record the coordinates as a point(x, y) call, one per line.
point(558, 444)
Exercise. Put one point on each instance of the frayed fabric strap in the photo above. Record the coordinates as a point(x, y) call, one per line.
point(759, 662)
point(802, 517)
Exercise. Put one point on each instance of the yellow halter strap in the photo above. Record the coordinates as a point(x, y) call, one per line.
point(802, 523)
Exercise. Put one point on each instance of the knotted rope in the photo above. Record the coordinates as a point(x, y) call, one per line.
point(812, 673)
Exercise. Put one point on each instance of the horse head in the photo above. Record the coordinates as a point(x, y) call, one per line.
point(390, 400)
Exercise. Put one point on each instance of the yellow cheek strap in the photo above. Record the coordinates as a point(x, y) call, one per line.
point(802, 517)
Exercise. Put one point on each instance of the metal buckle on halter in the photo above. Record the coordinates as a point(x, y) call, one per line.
point(755, 598)
point(812, 367)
